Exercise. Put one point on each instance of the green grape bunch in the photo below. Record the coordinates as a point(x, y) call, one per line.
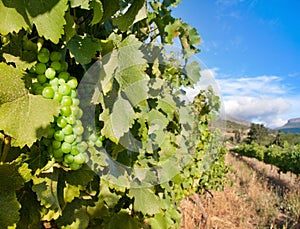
point(65, 137)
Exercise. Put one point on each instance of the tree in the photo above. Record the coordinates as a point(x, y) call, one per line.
point(258, 133)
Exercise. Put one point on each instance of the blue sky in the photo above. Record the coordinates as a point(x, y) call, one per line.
point(252, 48)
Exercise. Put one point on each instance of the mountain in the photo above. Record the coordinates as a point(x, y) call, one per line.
point(292, 126)
point(237, 120)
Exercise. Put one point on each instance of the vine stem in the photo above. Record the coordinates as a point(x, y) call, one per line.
point(6, 147)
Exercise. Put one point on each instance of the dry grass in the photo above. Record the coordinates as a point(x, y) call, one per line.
point(255, 200)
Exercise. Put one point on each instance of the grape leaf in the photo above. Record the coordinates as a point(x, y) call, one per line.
point(121, 220)
point(119, 120)
point(97, 7)
point(12, 16)
point(84, 4)
point(45, 187)
point(9, 205)
point(48, 17)
point(11, 85)
point(172, 30)
point(30, 211)
point(31, 113)
point(74, 215)
point(109, 7)
point(127, 19)
point(158, 221)
point(10, 181)
point(83, 48)
point(70, 27)
point(145, 201)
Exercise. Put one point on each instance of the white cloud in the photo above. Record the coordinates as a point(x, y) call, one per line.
point(260, 99)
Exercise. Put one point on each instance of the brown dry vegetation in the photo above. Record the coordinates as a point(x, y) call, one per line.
point(257, 198)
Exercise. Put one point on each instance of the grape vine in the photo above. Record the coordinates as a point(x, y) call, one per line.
point(94, 130)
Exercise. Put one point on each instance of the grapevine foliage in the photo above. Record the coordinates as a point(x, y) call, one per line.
point(53, 171)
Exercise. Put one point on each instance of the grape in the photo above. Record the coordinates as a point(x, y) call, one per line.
point(64, 66)
point(64, 140)
point(61, 122)
point(40, 68)
point(66, 147)
point(70, 138)
point(56, 65)
point(64, 75)
point(71, 119)
point(41, 78)
point(98, 143)
point(43, 57)
point(65, 111)
point(75, 166)
point(68, 129)
point(78, 130)
point(74, 151)
point(58, 153)
point(55, 56)
point(73, 83)
point(69, 158)
point(57, 96)
point(48, 92)
point(64, 89)
point(59, 135)
point(50, 73)
point(56, 144)
point(45, 50)
point(79, 159)
point(66, 101)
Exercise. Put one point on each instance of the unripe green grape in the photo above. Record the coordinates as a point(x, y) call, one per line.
point(78, 130)
point(41, 78)
point(73, 83)
point(47, 141)
point(55, 56)
point(43, 57)
point(64, 66)
point(70, 138)
point(71, 119)
point(66, 147)
point(67, 130)
point(98, 143)
point(74, 166)
point(29, 45)
point(68, 158)
point(79, 138)
point(64, 89)
point(56, 144)
point(45, 50)
point(66, 101)
point(48, 92)
point(93, 137)
point(58, 153)
point(50, 73)
point(64, 75)
point(59, 135)
point(76, 101)
point(61, 122)
point(65, 111)
point(50, 133)
point(53, 82)
point(74, 151)
point(73, 94)
point(82, 147)
point(56, 65)
point(57, 96)
point(79, 159)
point(40, 68)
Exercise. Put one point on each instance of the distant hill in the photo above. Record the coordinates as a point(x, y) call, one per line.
point(292, 126)
point(238, 120)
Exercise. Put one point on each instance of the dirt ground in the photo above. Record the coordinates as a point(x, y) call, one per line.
point(259, 197)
